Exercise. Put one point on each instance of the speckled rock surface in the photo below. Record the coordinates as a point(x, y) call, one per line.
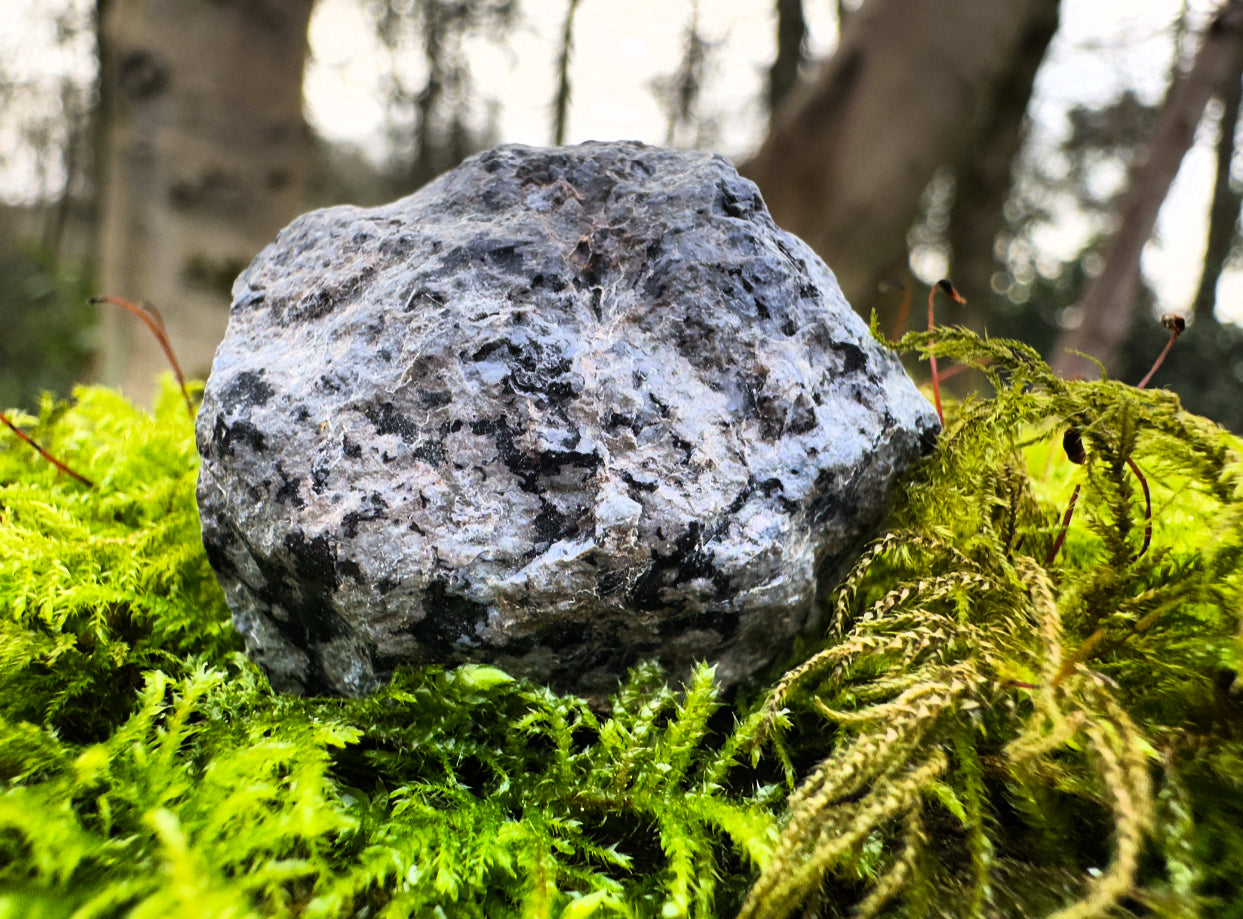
point(561, 410)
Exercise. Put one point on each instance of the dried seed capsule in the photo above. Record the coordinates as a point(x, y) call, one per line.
point(1174, 322)
point(1072, 443)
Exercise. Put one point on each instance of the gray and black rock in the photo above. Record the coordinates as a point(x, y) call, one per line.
point(561, 410)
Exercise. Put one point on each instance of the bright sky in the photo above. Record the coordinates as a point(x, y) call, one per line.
point(623, 46)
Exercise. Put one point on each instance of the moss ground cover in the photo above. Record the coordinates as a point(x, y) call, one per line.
point(1006, 717)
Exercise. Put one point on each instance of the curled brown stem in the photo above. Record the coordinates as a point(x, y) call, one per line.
point(151, 319)
point(1143, 483)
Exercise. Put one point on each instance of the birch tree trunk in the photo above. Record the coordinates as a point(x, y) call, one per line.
point(205, 155)
point(909, 89)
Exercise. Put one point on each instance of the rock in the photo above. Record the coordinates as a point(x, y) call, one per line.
point(561, 410)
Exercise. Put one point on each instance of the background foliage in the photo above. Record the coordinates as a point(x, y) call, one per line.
point(1019, 209)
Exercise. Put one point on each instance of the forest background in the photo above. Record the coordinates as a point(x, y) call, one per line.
point(1024, 148)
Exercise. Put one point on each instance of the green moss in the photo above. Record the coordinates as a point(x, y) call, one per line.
point(989, 729)
point(1002, 724)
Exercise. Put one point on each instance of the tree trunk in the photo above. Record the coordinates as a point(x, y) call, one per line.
point(205, 155)
point(1108, 304)
point(791, 39)
point(907, 91)
point(1223, 216)
point(982, 183)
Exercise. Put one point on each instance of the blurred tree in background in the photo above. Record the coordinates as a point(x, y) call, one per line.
point(47, 342)
point(181, 147)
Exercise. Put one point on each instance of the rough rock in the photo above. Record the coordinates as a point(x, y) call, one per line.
point(560, 410)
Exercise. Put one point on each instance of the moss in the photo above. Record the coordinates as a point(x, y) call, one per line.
point(991, 727)
point(1014, 698)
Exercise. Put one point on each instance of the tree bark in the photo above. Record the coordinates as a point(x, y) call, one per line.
point(1223, 215)
point(205, 155)
point(982, 183)
point(907, 91)
point(561, 104)
point(791, 39)
point(1108, 305)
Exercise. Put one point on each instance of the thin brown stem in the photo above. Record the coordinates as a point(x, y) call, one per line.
point(945, 285)
point(951, 372)
point(1143, 484)
point(1176, 324)
point(43, 453)
point(152, 321)
point(1061, 535)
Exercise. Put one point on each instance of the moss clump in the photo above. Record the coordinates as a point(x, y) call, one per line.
point(1004, 720)
point(1021, 711)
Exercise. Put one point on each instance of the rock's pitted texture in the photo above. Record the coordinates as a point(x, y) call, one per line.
point(562, 410)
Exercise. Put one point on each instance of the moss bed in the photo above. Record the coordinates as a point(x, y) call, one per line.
point(1019, 710)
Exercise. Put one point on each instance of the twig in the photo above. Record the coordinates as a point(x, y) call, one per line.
point(151, 319)
point(904, 309)
point(43, 453)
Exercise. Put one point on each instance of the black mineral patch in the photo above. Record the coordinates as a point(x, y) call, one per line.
point(247, 389)
point(348, 568)
point(484, 351)
point(853, 358)
point(550, 526)
point(447, 619)
point(315, 305)
point(507, 258)
point(375, 508)
point(686, 562)
point(831, 501)
point(431, 451)
point(248, 298)
point(617, 420)
point(434, 398)
point(311, 620)
point(314, 560)
point(736, 198)
point(398, 247)
point(225, 435)
point(802, 417)
point(638, 484)
point(319, 477)
point(288, 490)
point(388, 420)
point(422, 298)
